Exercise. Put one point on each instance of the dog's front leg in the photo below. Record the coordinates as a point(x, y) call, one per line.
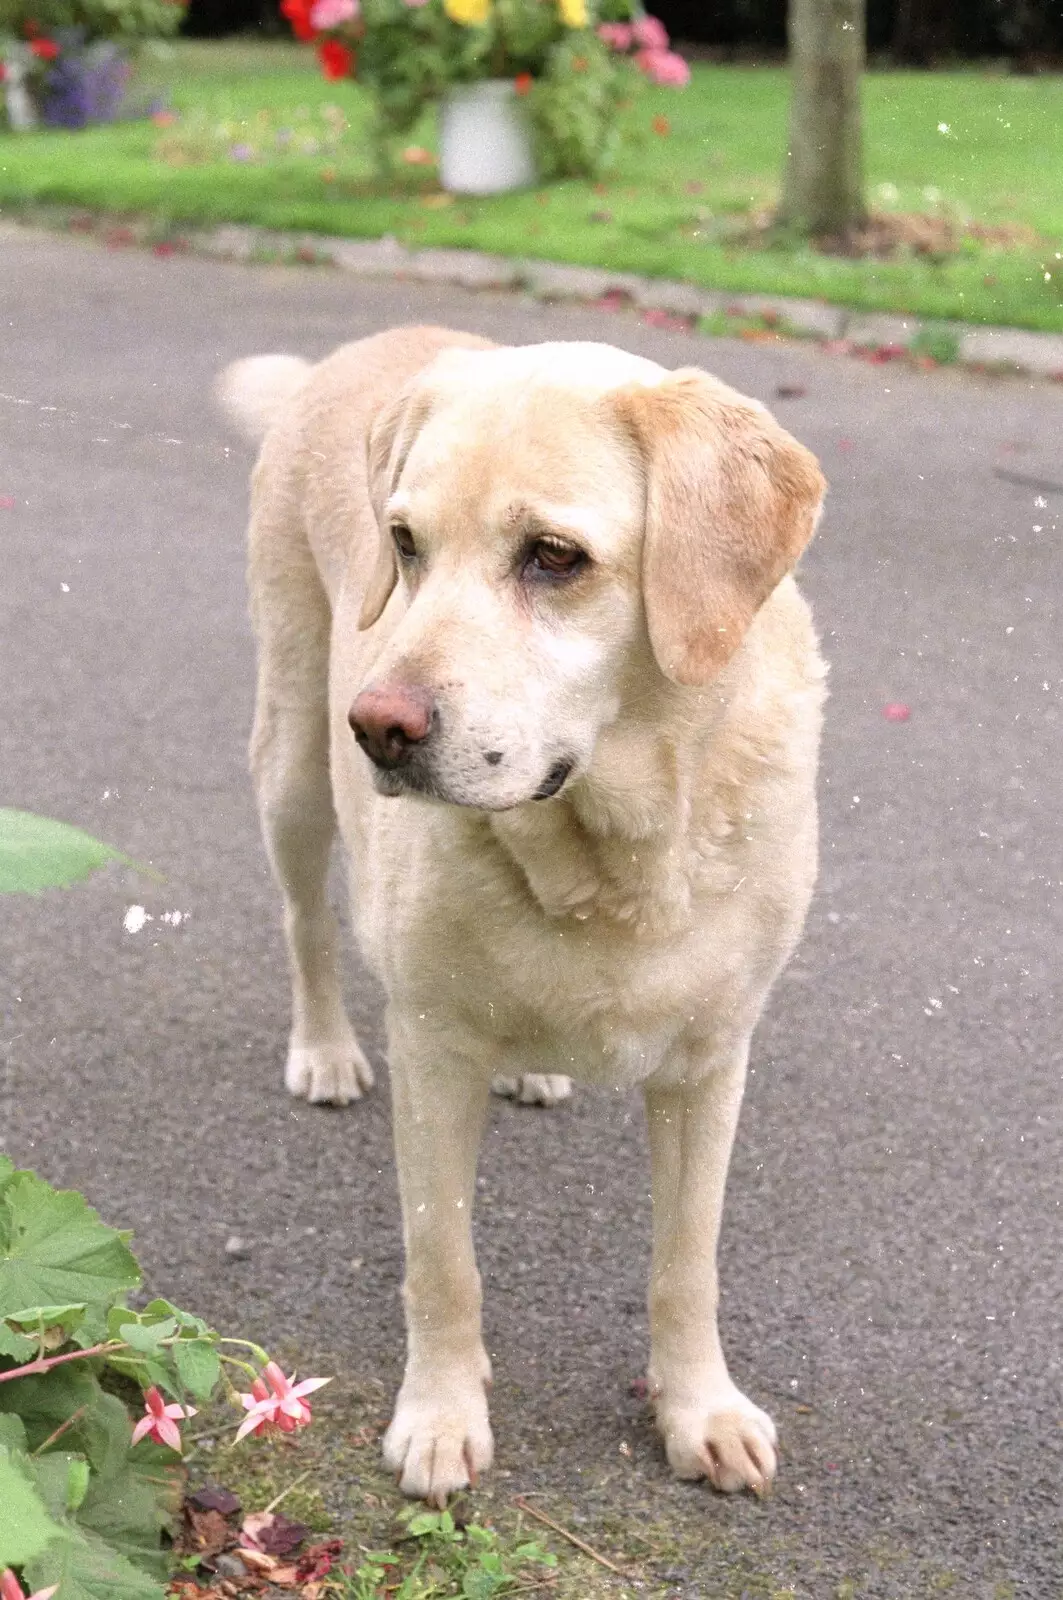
point(440, 1437)
point(710, 1429)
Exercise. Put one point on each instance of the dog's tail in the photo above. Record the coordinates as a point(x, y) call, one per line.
point(254, 392)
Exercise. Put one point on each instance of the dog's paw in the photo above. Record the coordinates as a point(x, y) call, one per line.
point(437, 1446)
point(328, 1074)
point(534, 1088)
point(731, 1442)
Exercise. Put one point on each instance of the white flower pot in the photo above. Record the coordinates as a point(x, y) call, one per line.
point(18, 102)
point(485, 143)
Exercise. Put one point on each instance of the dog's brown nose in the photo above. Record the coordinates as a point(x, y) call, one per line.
point(388, 721)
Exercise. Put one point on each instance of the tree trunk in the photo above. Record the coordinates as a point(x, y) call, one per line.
point(823, 189)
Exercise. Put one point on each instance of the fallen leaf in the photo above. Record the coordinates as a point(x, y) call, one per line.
point(256, 1560)
point(639, 1388)
point(212, 1497)
point(7, 502)
point(318, 1561)
point(896, 711)
point(661, 126)
point(845, 444)
point(436, 202)
point(206, 1532)
point(415, 155)
point(790, 391)
point(272, 1532)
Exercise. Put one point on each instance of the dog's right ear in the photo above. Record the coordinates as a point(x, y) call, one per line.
point(390, 440)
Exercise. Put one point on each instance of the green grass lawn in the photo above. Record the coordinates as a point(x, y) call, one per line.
point(667, 210)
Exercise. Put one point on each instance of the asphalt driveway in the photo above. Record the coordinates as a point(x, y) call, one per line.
point(892, 1243)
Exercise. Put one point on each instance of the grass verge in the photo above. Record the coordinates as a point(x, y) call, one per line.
point(259, 137)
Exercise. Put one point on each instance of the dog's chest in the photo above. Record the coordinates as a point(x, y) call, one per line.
point(601, 997)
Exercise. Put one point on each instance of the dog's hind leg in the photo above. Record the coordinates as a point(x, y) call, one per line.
point(290, 765)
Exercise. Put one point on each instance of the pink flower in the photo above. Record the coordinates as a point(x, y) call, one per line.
point(159, 1422)
point(331, 13)
point(617, 35)
point(282, 1405)
point(650, 33)
point(663, 66)
point(11, 1589)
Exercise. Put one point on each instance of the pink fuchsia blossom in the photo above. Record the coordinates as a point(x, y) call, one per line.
point(617, 35)
point(159, 1421)
point(650, 33)
point(278, 1401)
point(331, 13)
point(664, 67)
point(11, 1589)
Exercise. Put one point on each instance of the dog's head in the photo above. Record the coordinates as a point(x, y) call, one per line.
point(557, 522)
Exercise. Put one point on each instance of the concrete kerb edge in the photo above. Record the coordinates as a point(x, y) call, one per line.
point(879, 336)
point(1001, 349)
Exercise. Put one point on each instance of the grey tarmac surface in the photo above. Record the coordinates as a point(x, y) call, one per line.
point(891, 1254)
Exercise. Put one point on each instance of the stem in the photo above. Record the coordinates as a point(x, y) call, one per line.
point(275, 1502)
point(46, 1363)
point(232, 1361)
point(248, 1344)
point(63, 1426)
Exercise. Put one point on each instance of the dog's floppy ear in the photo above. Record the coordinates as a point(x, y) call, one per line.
point(390, 440)
point(731, 501)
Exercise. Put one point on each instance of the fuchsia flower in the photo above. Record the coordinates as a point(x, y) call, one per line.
point(277, 1401)
point(11, 1589)
point(159, 1422)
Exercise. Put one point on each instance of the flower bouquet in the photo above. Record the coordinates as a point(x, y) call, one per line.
point(569, 63)
point(67, 63)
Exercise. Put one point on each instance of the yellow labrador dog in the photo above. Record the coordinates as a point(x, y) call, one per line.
point(527, 631)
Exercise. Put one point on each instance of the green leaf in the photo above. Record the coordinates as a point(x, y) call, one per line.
point(145, 1337)
point(26, 1529)
point(54, 1250)
point(37, 853)
point(61, 1480)
point(85, 1568)
point(131, 1496)
point(198, 1367)
point(45, 1401)
point(12, 1433)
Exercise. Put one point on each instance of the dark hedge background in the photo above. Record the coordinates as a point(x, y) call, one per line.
point(920, 32)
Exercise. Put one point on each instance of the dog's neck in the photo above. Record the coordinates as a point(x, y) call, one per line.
point(616, 844)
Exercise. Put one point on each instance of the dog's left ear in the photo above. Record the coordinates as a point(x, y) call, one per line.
point(731, 501)
point(391, 438)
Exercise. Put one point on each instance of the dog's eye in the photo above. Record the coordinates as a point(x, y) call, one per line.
point(403, 540)
point(555, 560)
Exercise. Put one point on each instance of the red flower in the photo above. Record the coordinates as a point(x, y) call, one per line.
point(523, 82)
point(298, 14)
point(336, 60)
point(46, 49)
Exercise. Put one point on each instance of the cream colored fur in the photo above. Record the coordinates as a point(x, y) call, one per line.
point(626, 931)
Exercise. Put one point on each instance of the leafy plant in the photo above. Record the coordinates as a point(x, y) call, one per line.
point(88, 1496)
point(473, 1561)
point(571, 60)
